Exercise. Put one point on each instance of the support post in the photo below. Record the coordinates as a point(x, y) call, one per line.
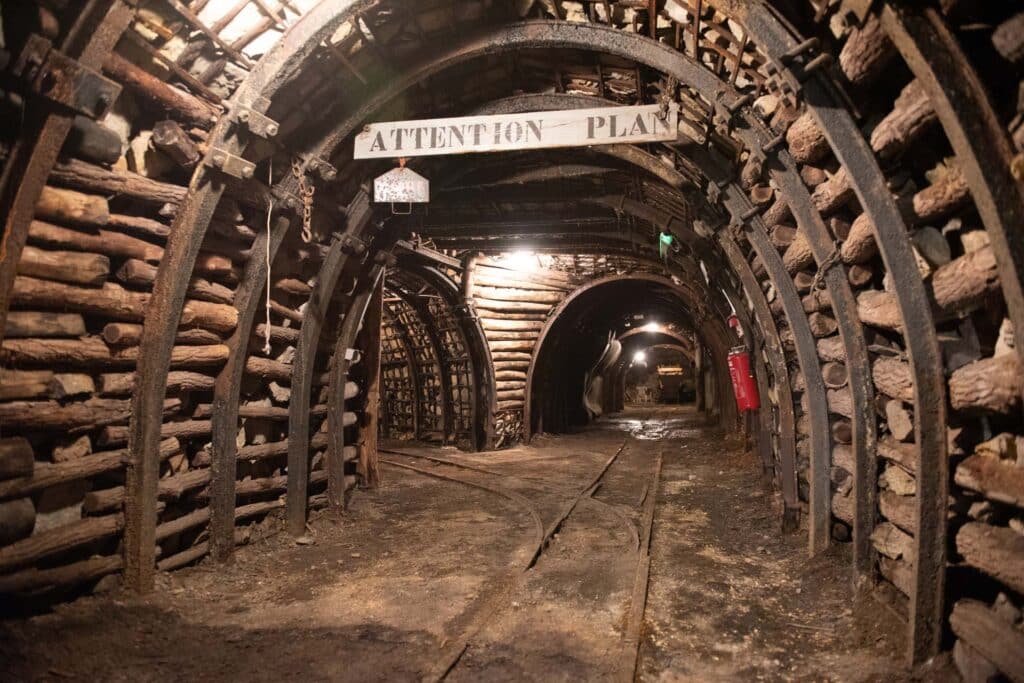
point(368, 456)
point(698, 363)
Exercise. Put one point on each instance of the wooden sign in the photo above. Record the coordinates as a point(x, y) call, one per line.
point(506, 132)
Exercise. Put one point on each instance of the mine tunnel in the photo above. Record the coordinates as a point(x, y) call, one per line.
point(512, 340)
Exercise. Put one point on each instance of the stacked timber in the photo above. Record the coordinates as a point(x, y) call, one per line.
point(513, 305)
point(984, 377)
point(805, 141)
point(83, 289)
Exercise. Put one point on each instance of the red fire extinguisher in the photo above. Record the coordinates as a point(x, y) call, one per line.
point(743, 384)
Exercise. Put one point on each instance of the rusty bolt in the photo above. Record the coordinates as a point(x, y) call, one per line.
point(243, 116)
point(102, 102)
point(247, 171)
point(271, 129)
point(219, 159)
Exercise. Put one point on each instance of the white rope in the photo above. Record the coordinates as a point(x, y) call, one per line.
point(266, 255)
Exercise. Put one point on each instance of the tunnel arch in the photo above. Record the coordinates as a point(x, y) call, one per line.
point(714, 335)
point(459, 347)
point(772, 52)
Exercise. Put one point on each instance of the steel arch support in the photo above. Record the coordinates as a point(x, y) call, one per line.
point(787, 418)
point(981, 143)
point(338, 377)
point(186, 235)
point(932, 466)
point(98, 28)
point(476, 344)
point(305, 357)
point(226, 394)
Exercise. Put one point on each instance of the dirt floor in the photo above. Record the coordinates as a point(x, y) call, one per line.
point(525, 564)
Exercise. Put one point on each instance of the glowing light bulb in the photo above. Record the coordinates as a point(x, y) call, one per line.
point(639, 357)
point(652, 327)
point(521, 260)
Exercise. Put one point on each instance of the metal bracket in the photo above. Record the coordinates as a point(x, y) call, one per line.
point(714, 192)
point(286, 199)
point(854, 12)
point(781, 82)
point(322, 168)
point(62, 80)
point(256, 122)
point(721, 117)
point(232, 165)
point(350, 244)
point(757, 159)
point(466, 310)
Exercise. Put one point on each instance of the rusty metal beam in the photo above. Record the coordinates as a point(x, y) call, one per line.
point(777, 359)
point(932, 466)
point(982, 145)
point(341, 250)
point(186, 236)
point(98, 27)
point(368, 291)
point(227, 391)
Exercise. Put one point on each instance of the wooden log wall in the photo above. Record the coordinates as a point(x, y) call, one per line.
point(73, 336)
point(918, 141)
point(83, 287)
point(513, 305)
point(429, 380)
point(398, 409)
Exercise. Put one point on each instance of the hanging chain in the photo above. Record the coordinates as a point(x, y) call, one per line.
point(830, 261)
point(667, 97)
point(306, 191)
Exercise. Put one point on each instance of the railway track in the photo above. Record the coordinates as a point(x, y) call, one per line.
point(510, 589)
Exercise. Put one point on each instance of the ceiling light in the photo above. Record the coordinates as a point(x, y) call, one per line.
point(521, 260)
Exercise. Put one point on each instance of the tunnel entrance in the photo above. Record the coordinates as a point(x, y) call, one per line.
point(660, 374)
point(585, 349)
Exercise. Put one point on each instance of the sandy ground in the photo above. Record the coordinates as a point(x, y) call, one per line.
point(428, 577)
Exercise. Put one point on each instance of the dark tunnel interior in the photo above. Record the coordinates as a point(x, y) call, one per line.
point(512, 340)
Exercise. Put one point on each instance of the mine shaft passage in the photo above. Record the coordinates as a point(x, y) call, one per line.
point(514, 339)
